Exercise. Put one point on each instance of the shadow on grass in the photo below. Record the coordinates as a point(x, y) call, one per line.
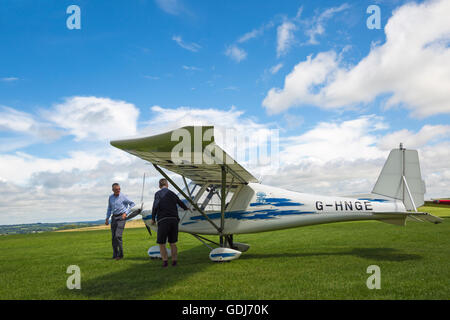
point(381, 254)
point(144, 277)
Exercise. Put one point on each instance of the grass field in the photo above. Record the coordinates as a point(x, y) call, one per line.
point(317, 262)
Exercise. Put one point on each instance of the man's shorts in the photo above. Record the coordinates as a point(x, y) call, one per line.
point(167, 230)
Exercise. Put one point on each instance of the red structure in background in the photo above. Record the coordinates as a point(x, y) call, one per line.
point(442, 201)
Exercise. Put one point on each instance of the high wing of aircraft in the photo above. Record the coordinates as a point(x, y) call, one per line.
point(224, 199)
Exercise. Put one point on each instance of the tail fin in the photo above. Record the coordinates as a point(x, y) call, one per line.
point(400, 178)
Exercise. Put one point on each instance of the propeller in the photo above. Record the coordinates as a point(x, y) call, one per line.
point(142, 204)
point(142, 193)
point(135, 212)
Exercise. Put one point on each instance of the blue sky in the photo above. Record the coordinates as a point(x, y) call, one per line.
point(220, 57)
point(121, 46)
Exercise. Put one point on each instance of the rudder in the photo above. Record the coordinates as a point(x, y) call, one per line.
point(402, 166)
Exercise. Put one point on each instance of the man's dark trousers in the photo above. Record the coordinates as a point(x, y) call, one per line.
point(117, 226)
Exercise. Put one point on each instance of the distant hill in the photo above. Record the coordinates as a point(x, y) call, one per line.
point(43, 227)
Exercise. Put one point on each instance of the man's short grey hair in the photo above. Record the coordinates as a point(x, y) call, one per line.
point(115, 184)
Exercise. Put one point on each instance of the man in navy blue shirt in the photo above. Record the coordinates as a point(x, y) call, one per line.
point(118, 207)
point(165, 211)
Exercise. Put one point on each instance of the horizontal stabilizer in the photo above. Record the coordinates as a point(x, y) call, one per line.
point(400, 220)
point(397, 221)
point(425, 216)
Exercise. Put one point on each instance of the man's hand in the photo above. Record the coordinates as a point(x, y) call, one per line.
point(107, 221)
point(124, 216)
point(153, 222)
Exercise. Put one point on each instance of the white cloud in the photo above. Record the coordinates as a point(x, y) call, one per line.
point(285, 37)
point(293, 121)
point(317, 25)
point(9, 79)
point(194, 47)
point(151, 77)
point(255, 32)
point(236, 53)
point(276, 68)
point(13, 120)
point(413, 140)
point(95, 118)
point(84, 117)
point(297, 84)
point(39, 189)
point(285, 31)
point(166, 119)
point(312, 28)
point(413, 65)
point(231, 88)
point(43, 189)
point(334, 177)
point(191, 68)
point(20, 166)
point(50, 196)
point(434, 164)
point(268, 72)
point(249, 35)
point(346, 157)
point(336, 157)
point(170, 6)
point(233, 131)
point(349, 140)
point(28, 130)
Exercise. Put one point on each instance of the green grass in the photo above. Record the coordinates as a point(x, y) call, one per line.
point(317, 262)
point(437, 209)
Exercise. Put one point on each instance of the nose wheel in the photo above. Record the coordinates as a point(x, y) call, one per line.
point(227, 250)
point(224, 252)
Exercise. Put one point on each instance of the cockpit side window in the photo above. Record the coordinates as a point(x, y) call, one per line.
point(191, 190)
point(207, 197)
point(211, 199)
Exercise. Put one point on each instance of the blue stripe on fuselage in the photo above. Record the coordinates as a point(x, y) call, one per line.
point(249, 215)
point(276, 202)
point(374, 200)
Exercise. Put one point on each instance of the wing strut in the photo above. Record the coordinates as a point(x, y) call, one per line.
point(203, 238)
point(187, 198)
point(222, 198)
point(187, 188)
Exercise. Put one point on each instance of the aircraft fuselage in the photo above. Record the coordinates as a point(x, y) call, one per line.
point(258, 208)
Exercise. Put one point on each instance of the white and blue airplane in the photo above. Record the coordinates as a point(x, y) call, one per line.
point(224, 199)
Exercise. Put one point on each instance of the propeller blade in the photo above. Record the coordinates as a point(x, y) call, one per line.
point(138, 211)
point(134, 213)
point(149, 230)
point(143, 185)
